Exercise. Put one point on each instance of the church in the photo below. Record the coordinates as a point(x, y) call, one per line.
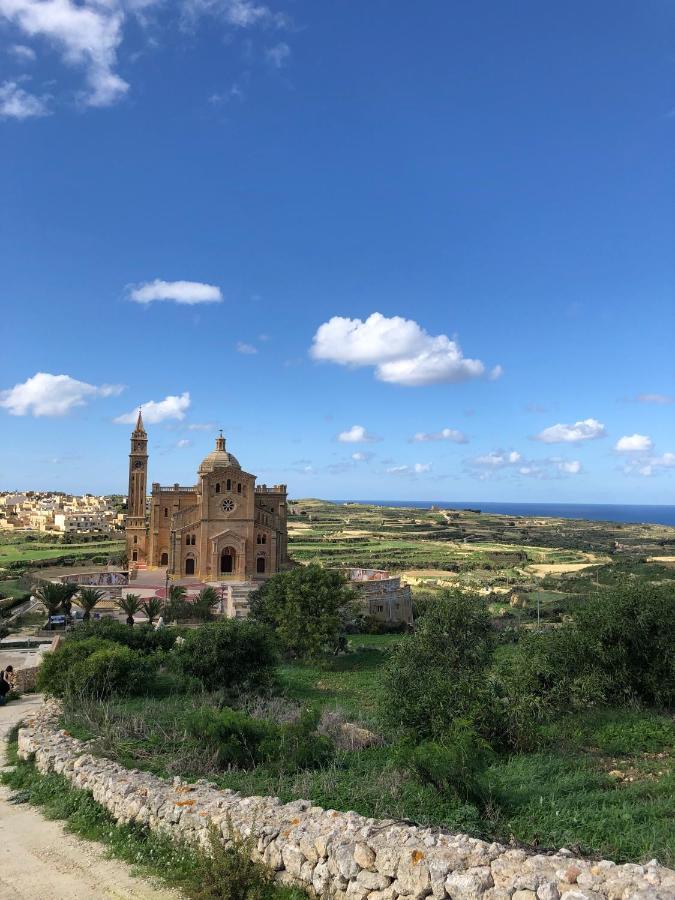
point(224, 528)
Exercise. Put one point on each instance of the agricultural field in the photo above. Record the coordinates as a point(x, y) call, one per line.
point(27, 548)
point(526, 566)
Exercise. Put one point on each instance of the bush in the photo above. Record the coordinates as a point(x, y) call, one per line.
point(94, 667)
point(437, 674)
point(454, 766)
point(232, 656)
point(143, 638)
point(308, 607)
point(243, 742)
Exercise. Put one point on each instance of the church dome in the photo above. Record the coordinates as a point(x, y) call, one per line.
point(218, 458)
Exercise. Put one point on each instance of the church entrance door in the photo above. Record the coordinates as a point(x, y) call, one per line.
point(189, 566)
point(164, 560)
point(227, 561)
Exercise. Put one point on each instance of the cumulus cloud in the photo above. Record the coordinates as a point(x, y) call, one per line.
point(17, 103)
point(399, 349)
point(87, 34)
point(445, 434)
point(246, 349)
point(634, 443)
point(584, 430)
point(357, 434)
point(52, 395)
point(184, 292)
point(658, 399)
point(171, 407)
point(415, 469)
point(361, 456)
point(183, 442)
point(511, 461)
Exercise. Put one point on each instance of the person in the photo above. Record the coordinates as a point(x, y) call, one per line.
point(10, 677)
point(4, 689)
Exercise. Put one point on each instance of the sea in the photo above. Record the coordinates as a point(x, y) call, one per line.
point(594, 512)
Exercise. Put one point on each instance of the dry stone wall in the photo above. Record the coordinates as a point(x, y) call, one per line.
point(338, 854)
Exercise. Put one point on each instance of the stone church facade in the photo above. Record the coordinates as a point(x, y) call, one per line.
point(225, 528)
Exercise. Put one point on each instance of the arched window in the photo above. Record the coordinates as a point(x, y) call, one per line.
point(239, 488)
point(166, 513)
point(229, 484)
point(135, 555)
point(217, 487)
point(164, 559)
point(187, 540)
point(194, 540)
point(264, 539)
point(258, 539)
point(260, 565)
point(135, 539)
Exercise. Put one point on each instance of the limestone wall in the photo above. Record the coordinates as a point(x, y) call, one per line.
point(26, 678)
point(342, 855)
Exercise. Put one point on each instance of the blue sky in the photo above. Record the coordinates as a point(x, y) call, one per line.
point(393, 251)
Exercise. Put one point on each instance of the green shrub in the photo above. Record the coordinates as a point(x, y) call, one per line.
point(309, 608)
point(437, 674)
point(240, 741)
point(456, 765)
point(232, 656)
point(95, 668)
point(143, 638)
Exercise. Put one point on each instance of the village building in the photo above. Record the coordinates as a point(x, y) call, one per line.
point(381, 595)
point(224, 528)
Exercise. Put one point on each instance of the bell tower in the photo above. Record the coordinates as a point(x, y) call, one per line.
point(136, 524)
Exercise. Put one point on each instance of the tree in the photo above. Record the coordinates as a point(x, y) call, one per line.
point(152, 608)
point(130, 605)
point(204, 602)
point(177, 606)
point(436, 675)
point(88, 599)
point(55, 597)
point(309, 608)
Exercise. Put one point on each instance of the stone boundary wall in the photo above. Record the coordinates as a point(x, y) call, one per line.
point(338, 854)
point(26, 679)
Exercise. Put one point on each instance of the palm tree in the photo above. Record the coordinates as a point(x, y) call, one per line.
point(130, 605)
point(87, 600)
point(152, 608)
point(52, 596)
point(175, 603)
point(204, 602)
point(68, 591)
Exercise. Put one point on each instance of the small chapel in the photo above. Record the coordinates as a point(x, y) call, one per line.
point(224, 528)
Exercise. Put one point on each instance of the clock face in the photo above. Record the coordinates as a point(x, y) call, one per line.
point(228, 505)
point(138, 464)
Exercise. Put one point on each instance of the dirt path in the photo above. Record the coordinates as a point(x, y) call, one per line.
point(38, 858)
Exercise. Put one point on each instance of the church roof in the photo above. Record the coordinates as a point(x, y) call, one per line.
point(219, 458)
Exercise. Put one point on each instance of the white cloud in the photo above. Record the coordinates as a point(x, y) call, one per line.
point(361, 456)
point(171, 407)
point(658, 399)
point(52, 395)
point(497, 459)
point(184, 292)
point(246, 349)
point(278, 55)
point(21, 53)
point(634, 443)
point(183, 442)
point(17, 103)
point(86, 34)
point(400, 350)
point(570, 467)
point(584, 430)
point(446, 434)
point(201, 426)
point(415, 469)
point(647, 466)
point(357, 434)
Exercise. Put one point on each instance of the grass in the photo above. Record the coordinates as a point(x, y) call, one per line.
point(219, 873)
point(562, 795)
point(32, 551)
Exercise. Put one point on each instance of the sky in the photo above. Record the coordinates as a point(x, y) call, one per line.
point(394, 251)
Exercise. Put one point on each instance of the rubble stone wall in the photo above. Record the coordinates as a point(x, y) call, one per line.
point(338, 854)
point(26, 679)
